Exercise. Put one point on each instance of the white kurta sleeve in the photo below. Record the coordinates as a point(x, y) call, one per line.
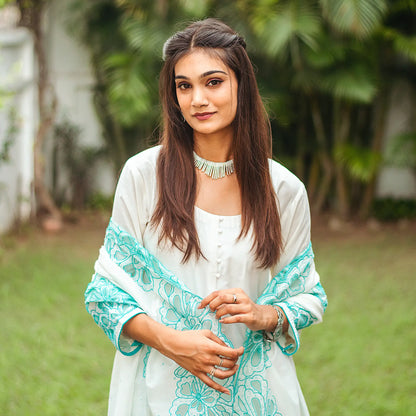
point(302, 299)
point(109, 305)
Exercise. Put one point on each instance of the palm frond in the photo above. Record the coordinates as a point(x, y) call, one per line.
point(360, 163)
point(195, 8)
point(406, 45)
point(358, 17)
point(144, 37)
point(350, 83)
point(285, 22)
point(128, 89)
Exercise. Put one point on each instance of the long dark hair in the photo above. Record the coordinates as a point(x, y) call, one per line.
point(251, 149)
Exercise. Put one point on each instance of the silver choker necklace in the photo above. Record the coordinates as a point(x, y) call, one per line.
point(214, 170)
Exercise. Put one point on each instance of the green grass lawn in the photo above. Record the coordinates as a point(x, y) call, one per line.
point(360, 361)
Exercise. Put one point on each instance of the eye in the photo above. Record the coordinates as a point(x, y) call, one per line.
point(214, 82)
point(183, 86)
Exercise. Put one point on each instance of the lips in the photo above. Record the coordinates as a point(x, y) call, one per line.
point(203, 116)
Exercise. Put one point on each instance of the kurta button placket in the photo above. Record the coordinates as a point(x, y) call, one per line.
point(219, 245)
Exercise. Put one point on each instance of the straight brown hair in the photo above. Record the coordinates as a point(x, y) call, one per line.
point(251, 149)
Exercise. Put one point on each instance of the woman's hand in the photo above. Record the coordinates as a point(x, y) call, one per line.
point(200, 352)
point(204, 355)
point(233, 305)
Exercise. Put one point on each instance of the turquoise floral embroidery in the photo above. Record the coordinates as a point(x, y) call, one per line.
point(145, 360)
point(290, 281)
point(193, 397)
point(301, 316)
point(108, 304)
point(253, 395)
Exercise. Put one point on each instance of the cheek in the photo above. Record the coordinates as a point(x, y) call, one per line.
point(183, 102)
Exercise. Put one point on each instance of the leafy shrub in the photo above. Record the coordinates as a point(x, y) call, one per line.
point(389, 209)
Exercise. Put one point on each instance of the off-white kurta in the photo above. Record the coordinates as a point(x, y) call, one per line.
point(144, 382)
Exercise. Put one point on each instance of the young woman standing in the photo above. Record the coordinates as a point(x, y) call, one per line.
point(206, 275)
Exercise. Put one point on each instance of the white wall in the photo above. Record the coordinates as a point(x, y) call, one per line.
point(72, 77)
point(398, 182)
point(17, 80)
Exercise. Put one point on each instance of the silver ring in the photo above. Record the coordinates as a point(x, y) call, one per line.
point(212, 372)
point(221, 361)
point(234, 298)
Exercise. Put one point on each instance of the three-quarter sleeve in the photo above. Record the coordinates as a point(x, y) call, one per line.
point(298, 291)
point(109, 305)
point(111, 308)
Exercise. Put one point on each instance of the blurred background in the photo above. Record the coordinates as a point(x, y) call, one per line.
point(79, 95)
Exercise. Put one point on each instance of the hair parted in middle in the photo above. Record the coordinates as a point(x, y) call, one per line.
point(251, 148)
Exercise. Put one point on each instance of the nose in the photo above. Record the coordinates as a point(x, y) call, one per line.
point(199, 99)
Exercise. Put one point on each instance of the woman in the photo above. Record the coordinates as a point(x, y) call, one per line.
point(206, 275)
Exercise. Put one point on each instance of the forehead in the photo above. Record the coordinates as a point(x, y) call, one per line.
point(199, 61)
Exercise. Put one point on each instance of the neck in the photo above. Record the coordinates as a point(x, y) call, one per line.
point(215, 148)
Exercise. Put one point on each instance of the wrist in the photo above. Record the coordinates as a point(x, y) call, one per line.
point(279, 327)
point(152, 333)
point(271, 318)
point(166, 340)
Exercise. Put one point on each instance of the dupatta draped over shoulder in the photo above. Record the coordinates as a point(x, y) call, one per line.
point(130, 280)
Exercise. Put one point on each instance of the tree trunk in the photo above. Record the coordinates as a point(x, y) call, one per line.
point(324, 158)
point(341, 125)
point(31, 17)
point(380, 121)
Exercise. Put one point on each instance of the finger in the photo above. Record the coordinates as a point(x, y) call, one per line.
point(211, 383)
point(232, 354)
point(224, 363)
point(209, 334)
point(232, 310)
point(208, 299)
point(223, 374)
point(236, 319)
point(224, 299)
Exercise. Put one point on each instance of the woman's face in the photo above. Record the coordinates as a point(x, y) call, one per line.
point(206, 90)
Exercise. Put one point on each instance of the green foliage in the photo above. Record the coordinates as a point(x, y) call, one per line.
point(353, 82)
point(356, 17)
point(361, 163)
point(100, 202)
point(75, 161)
point(325, 69)
point(5, 2)
point(281, 25)
point(9, 136)
point(391, 209)
point(402, 150)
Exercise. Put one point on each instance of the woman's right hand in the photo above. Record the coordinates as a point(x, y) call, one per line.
point(200, 352)
point(204, 355)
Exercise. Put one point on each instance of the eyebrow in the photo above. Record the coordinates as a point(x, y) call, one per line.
point(205, 74)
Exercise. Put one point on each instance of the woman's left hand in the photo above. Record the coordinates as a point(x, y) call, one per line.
point(234, 306)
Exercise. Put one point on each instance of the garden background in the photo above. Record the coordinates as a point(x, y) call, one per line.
point(338, 80)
